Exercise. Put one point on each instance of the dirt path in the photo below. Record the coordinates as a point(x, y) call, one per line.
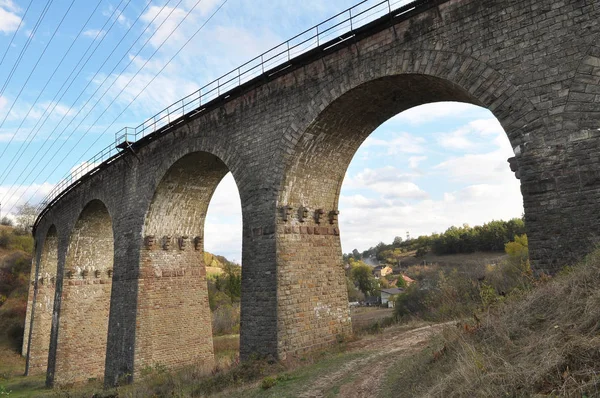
point(364, 375)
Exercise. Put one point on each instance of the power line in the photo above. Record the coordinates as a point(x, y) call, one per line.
point(145, 87)
point(54, 103)
point(97, 89)
point(30, 74)
point(7, 170)
point(15, 34)
point(24, 49)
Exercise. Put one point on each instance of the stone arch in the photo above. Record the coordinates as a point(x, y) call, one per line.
point(41, 304)
point(174, 323)
point(477, 82)
point(85, 297)
point(322, 141)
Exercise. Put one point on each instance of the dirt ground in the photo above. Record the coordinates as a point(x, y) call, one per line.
point(364, 316)
point(363, 377)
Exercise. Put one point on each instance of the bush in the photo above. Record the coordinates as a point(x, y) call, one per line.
point(226, 320)
point(6, 221)
point(268, 382)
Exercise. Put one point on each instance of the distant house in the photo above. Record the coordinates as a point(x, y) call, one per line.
point(388, 296)
point(372, 301)
point(382, 270)
point(407, 280)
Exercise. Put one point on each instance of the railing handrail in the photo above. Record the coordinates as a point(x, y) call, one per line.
point(208, 90)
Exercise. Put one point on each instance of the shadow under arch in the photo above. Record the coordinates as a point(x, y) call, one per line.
point(310, 266)
point(38, 323)
point(85, 298)
point(174, 322)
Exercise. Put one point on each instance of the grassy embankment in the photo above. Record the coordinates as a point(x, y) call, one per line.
point(541, 339)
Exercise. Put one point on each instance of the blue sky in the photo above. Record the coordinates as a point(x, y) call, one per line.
point(422, 171)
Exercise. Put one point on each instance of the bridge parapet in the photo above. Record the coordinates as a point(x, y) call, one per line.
point(322, 37)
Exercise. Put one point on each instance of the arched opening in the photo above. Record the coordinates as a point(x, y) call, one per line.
point(85, 298)
point(39, 320)
point(174, 322)
point(310, 265)
point(223, 246)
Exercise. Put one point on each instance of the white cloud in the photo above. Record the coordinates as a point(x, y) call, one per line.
point(402, 143)
point(388, 181)
point(467, 136)
point(93, 33)
point(9, 19)
point(223, 226)
point(414, 161)
point(434, 111)
point(365, 222)
point(12, 197)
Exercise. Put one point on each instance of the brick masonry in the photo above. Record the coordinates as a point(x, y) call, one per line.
point(85, 298)
point(288, 139)
point(42, 287)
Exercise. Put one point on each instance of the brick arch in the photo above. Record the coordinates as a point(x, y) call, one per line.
point(451, 77)
point(173, 295)
point(322, 141)
point(41, 304)
point(583, 94)
point(85, 298)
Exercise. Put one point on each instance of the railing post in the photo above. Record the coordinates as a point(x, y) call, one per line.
point(288, 49)
point(239, 78)
point(350, 12)
point(262, 63)
point(318, 44)
point(199, 97)
point(218, 87)
point(389, 6)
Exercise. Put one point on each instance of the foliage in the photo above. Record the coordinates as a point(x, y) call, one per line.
point(14, 282)
point(539, 342)
point(224, 293)
point(447, 293)
point(354, 294)
point(362, 275)
point(6, 221)
point(11, 239)
point(492, 236)
point(26, 215)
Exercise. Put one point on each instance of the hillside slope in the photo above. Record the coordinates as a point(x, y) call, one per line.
point(545, 341)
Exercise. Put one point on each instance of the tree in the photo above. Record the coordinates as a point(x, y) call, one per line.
point(356, 254)
point(26, 215)
point(362, 275)
point(6, 221)
point(397, 241)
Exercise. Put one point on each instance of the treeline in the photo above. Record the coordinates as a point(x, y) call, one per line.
point(492, 236)
point(15, 239)
point(224, 293)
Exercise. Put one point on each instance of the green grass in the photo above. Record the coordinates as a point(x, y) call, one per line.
point(293, 383)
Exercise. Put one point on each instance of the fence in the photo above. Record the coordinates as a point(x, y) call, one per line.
point(329, 33)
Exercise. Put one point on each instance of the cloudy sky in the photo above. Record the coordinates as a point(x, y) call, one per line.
point(74, 72)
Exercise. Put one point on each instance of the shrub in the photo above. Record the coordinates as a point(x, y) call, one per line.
point(268, 382)
point(6, 221)
point(226, 319)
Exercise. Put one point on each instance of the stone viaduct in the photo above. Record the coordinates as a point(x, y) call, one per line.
point(118, 280)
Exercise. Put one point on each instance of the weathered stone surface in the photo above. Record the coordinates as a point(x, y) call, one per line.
point(288, 139)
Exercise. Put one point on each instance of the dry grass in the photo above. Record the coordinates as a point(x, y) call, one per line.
point(546, 341)
point(226, 349)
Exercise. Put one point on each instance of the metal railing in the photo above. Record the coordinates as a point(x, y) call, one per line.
point(327, 34)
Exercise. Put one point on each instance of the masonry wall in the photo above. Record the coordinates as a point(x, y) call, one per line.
point(288, 140)
point(85, 298)
point(312, 295)
point(45, 285)
point(174, 326)
point(30, 301)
